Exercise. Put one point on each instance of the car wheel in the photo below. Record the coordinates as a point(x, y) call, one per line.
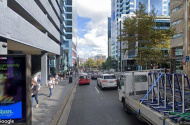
point(126, 108)
point(101, 86)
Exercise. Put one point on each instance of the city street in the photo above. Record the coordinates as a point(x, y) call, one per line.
point(92, 106)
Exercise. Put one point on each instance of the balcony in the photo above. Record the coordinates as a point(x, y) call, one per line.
point(47, 8)
point(17, 29)
point(33, 14)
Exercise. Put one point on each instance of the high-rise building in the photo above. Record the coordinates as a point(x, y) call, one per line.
point(70, 33)
point(109, 36)
point(99, 56)
point(113, 30)
point(128, 7)
point(177, 43)
point(32, 27)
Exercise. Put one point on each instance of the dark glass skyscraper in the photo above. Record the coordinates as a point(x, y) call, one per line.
point(109, 36)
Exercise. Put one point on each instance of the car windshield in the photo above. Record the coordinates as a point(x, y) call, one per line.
point(83, 77)
point(110, 77)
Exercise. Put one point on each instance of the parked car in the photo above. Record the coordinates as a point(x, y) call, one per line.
point(94, 76)
point(84, 79)
point(85, 74)
point(107, 81)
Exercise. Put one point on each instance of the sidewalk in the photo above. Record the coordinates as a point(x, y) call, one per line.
point(48, 107)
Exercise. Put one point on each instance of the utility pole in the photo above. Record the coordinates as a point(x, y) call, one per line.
point(186, 36)
point(120, 48)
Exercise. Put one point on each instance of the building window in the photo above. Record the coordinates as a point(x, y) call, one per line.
point(69, 16)
point(177, 35)
point(179, 52)
point(68, 29)
point(162, 24)
point(177, 8)
point(68, 22)
point(69, 9)
point(68, 2)
point(66, 43)
point(68, 36)
point(177, 22)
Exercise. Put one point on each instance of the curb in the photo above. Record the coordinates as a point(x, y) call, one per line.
point(57, 116)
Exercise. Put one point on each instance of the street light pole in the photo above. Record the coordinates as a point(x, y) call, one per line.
point(186, 36)
point(120, 48)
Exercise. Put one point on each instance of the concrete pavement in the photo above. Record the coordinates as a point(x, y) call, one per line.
point(48, 107)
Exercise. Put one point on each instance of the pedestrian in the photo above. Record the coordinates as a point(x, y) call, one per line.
point(67, 75)
point(39, 79)
point(51, 85)
point(34, 91)
point(59, 76)
point(39, 82)
point(56, 79)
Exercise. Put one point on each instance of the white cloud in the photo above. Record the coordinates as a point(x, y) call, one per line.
point(95, 40)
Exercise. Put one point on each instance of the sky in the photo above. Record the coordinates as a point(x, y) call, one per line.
point(92, 27)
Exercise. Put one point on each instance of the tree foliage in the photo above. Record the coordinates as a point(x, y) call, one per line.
point(90, 63)
point(110, 63)
point(99, 62)
point(141, 35)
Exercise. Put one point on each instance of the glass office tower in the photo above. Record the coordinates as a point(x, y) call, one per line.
point(70, 33)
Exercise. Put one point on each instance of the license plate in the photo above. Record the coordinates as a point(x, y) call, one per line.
point(111, 81)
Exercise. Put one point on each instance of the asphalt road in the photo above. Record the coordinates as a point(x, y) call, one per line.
point(92, 106)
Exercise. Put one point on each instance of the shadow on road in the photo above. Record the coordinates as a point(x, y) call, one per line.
point(83, 85)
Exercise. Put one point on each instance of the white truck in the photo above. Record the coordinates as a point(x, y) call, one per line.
point(132, 88)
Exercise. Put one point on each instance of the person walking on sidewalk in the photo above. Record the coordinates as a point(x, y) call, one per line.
point(39, 79)
point(34, 91)
point(51, 85)
point(56, 79)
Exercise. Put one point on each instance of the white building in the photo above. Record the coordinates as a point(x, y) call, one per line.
point(99, 56)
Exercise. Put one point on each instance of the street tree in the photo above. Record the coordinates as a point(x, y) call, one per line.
point(99, 62)
point(90, 63)
point(110, 63)
point(139, 34)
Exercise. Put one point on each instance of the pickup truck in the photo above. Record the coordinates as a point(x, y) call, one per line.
point(136, 91)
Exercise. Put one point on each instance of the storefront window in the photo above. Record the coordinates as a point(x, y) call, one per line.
point(178, 62)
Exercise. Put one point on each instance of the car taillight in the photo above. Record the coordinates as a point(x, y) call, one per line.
point(115, 80)
point(104, 81)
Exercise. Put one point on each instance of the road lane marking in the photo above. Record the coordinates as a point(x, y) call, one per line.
point(97, 90)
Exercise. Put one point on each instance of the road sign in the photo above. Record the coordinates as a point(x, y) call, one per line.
point(187, 58)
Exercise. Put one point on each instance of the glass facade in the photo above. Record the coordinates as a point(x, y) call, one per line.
point(157, 4)
point(109, 36)
point(109, 27)
point(142, 2)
